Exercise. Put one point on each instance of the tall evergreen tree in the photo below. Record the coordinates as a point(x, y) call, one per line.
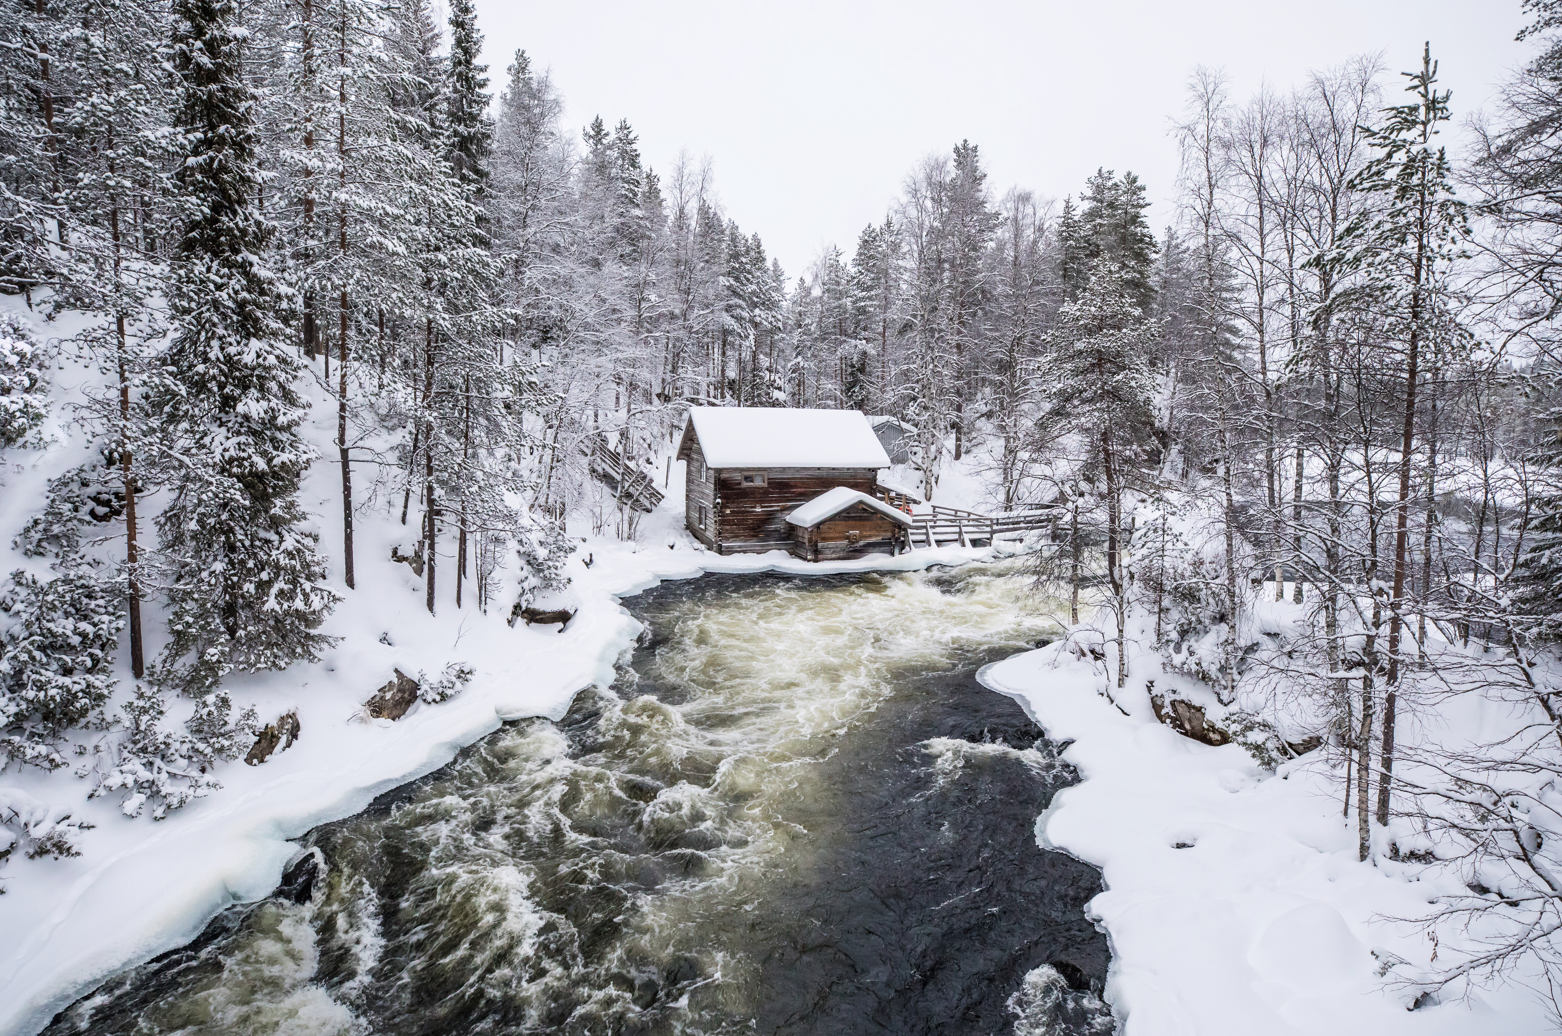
point(1113, 227)
point(471, 131)
point(245, 582)
point(117, 129)
point(1099, 385)
point(31, 142)
point(969, 224)
point(1538, 590)
point(1519, 174)
point(1403, 250)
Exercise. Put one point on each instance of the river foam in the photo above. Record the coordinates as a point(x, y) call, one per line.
point(786, 773)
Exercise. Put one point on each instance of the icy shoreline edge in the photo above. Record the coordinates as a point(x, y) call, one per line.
point(1232, 898)
point(154, 887)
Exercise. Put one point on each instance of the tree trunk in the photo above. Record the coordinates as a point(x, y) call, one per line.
point(431, 527)
point(1073, 565)
point(46, 106)
point(307, 59)
point(1401, 533)
point(341, 443)
point(1364, 776)
point(412, 460)
point(1296, 522)
point(132, 546)
point(1114, 573)
point(466, 453)
point(1229, 670)
point(341, 335)
point(1429, 523)
point(1347, 739)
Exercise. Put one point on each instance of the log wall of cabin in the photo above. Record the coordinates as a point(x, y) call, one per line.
point(753, 518)
point(700, 491)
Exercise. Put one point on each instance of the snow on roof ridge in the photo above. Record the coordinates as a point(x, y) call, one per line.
point(834, 501)
point(786, 437)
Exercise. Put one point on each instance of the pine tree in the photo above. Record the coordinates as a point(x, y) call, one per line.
point(31, 210)
point(1099, 385)
point(1112, 226)
point(469, 127)
point(1402, 251)
point(969, 224)
point(1518, 172)
point(245, 580)
point(875, 286)
point(1073, 253)
point(119, 148)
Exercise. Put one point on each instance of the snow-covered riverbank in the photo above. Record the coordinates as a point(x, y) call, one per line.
point(141, 887)
point(1234, 901)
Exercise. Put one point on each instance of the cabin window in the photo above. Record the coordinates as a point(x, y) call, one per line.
point(753, 478)
point(853, 536)
point(702, 516)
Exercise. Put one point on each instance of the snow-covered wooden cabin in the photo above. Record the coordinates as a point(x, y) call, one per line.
point(844, 523)
point(751, 467)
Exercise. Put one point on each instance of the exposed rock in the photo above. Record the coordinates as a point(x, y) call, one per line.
point(413, 561)
point(394, 699)
point(1305, 745)
point(1071, 973)
point(681, 969)
point(274, 737)
point(1188, 720)
point(298, 881)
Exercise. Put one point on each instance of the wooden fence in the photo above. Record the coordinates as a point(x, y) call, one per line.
point(952, 525)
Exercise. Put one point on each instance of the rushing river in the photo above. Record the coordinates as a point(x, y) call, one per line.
point(795, 812)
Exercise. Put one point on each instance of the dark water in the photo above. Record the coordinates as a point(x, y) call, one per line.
point(795, 812)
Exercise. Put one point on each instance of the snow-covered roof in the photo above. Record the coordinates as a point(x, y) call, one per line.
point(834, 501)
point(783, 437)
point(880, 420)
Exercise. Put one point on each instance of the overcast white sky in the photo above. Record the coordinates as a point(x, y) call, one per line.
point(814, 112)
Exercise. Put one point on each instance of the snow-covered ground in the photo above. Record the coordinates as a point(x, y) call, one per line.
point(1263, 923)
point(140, 886)
point(1234, 901)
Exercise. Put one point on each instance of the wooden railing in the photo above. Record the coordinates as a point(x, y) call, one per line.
point(895, 498)
point(630, 484)
point(953, 525)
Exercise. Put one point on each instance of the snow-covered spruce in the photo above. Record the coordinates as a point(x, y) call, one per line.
point(245, 581)
point(24, 397)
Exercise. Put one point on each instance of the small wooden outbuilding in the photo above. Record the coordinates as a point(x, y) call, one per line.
point(844, 523)
point(748, 468)
point(897, 437)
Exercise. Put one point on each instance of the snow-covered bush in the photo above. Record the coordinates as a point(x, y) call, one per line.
point(57, 636)
point(24, 400)
point(90, 494)
point(166, 769)
point(56, 654)
point(36, 828)
point(543, 548)
point(450, 682)
point(1260, 738)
